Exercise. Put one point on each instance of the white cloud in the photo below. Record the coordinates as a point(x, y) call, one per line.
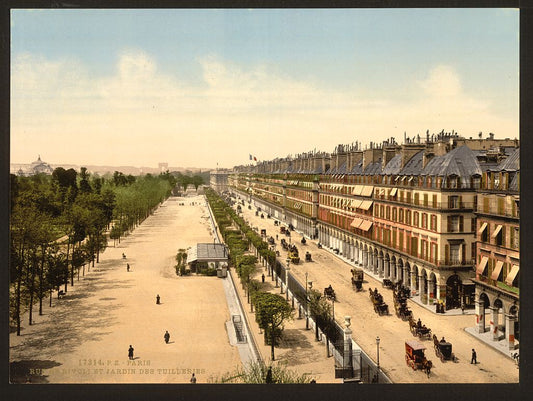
point(140, 116)
point(442, 81)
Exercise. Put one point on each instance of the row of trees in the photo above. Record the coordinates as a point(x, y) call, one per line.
point(237, 233)
point(271, 310)
point(59, 223)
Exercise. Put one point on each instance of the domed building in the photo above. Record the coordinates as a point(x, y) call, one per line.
point(38, 166)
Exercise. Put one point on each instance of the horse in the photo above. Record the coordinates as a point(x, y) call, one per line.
point(427, 367)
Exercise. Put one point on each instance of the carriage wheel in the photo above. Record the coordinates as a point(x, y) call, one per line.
point(441, 358)
point(407, 360)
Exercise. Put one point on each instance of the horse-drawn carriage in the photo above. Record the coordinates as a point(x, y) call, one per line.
point(284, 244)
point(380, 307)
point(307, 256)
point(400, 305)
point(303, 241)
point(329, 293)
point(402, 311)
point(282, 229)
point(263, 232)
point(358, 276)
point(415, 358)
point(387, 283)
point(419, 330)
point(293, 254)
point(271, 240)
point(443, 349)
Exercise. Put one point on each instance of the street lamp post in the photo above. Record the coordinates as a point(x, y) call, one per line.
point(306, 305)
point(377, 345)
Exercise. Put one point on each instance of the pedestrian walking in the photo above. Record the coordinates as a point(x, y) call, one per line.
point(130, 352)
point(263, 277)
point(127, 266)
point(157, 299)
point(193, 379)
point(167, 336)
point(474, 356)
point(268, 378)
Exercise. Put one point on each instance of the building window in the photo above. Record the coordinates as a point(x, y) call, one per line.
point(400, 215)
point(433, 222)
point(394, 214)
point(415, 219)
point(388, 213)
point(485, 234)
point(476, 182)
point(454, 224)
point(452, 182)
point(426, 200)
point(417, 195)
point(453, 202)
point(500, 238)
point(455, 254)
point(515, 237)
point(424, 220)
point(408, 217)
point(496, 177)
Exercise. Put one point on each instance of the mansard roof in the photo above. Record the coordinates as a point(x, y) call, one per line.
point(511, 163)
point(414, 165)
point(358, 168)
point(394, 166)
point(460, 161)
point(373, 168)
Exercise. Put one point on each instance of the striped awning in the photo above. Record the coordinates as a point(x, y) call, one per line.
point(367, 190)
point(356, 222)
point(356, 203)
point(512, 274)
point(365, 226)
point(482, 265)
point(357, 190)
point(365, 205)
point(496, 231)
point(482, 228)
point(393, 191)
point(497, 270)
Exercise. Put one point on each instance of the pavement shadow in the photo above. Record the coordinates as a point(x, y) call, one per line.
point(294, 338)
point(71, 319)
point(30, 371)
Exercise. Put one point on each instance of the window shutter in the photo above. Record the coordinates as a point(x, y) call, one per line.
point(463, 258)
point(449, 223)
point(446, 254)
point(461, 223)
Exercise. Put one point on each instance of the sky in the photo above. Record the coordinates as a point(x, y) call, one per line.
point(208, 87)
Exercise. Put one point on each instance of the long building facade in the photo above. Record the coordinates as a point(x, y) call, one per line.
point(410, 212)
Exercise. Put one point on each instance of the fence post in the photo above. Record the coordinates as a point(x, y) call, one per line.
point(347, 357)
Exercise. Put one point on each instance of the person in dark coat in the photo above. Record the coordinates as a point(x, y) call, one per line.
point(127, 266)
point(268, 378)
point(167, 336)
point(157, 299)
point(474, 356)
point(130, 352)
